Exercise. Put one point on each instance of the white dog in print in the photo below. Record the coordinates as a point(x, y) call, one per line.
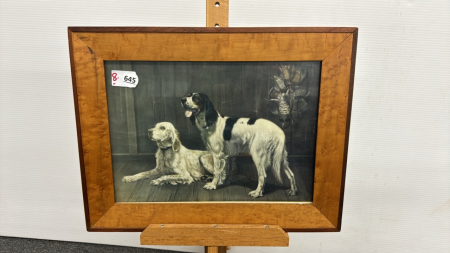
point(175, 164)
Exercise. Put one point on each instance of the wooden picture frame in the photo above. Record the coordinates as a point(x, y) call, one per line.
point(91, 46)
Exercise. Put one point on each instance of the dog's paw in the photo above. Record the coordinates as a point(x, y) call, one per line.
point(255, 194)
point(209, 186)
point(128, 179)
point(291, 192)
point(155, 182)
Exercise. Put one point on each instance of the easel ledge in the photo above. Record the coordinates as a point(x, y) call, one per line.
point(215, 235)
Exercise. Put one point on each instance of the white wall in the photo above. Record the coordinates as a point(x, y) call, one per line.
point(397, 196)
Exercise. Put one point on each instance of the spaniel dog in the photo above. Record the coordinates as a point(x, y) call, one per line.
point(175, 164)
point(225, 136)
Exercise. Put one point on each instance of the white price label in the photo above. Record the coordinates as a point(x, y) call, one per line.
point(122, 78)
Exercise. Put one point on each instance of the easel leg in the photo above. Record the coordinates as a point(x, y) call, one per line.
point(215, 249)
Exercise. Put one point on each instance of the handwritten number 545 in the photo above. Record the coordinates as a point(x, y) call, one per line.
point(129, 79)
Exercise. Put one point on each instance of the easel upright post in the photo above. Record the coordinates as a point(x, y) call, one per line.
point(217, 13)
point(216, 16)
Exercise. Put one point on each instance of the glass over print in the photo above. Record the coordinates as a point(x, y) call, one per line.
point(284, 93)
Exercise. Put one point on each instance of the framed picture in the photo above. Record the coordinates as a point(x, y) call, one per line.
point(212, 125)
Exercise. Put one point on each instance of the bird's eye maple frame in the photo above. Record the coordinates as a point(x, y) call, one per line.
point(336, 49)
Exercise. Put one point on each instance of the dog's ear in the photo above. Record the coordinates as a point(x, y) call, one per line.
point(210, 113)
point(175, 141)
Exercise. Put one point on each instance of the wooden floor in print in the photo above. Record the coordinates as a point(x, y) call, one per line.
point(142, 191)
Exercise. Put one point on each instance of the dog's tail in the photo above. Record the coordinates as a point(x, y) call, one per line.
point(278, 159)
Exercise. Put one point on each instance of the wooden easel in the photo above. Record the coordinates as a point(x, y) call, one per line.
point(216, 237)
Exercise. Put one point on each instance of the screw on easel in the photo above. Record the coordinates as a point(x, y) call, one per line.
point(266, 226)
point(162, 226)
point(214, 226)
